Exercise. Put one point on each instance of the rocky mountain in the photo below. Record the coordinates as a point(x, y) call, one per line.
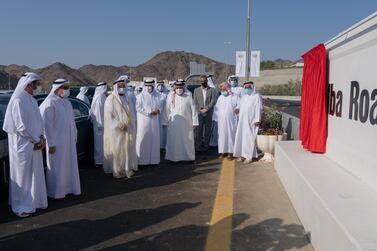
point(59, 70)
point(166, 65)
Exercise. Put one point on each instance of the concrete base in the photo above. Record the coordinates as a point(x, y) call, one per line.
point(338, 211)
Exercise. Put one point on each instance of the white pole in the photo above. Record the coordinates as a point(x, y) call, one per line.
point(227, 65)
point(248, 47)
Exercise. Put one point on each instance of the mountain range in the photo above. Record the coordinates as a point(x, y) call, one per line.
point(166, 65)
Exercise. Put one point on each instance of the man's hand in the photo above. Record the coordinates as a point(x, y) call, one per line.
point(203, 110)
point(154, 113)
point(237, 110)
point(40, 145)
point(52, 150)
point(122, 126)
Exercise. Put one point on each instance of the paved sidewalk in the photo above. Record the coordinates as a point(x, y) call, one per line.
point(264, 218)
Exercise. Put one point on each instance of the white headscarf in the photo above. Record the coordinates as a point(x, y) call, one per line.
point(211, 83)
point(254, 89)
point(83, 91)
point(101, 89)
point(150, 101)
point(121, 79)
point(56, 85)
point(26, 79)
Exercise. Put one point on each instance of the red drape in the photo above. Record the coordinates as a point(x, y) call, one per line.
point(313, 115)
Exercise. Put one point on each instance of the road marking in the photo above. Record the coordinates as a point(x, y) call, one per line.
point(219, 234)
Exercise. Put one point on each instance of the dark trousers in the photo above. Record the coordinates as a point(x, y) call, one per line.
point(203, 132)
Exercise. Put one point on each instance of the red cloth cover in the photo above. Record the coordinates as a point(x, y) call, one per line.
point(313, 115)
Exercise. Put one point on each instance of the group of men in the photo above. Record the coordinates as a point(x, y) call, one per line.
point(129, 130)
point(30, 129)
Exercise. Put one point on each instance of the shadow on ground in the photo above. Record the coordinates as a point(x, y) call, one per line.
point(80, 234)
point(269, 234)
point(97, 185)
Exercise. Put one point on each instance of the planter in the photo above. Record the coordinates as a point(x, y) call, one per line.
point(263, 143)
point(271, 143)
point(266, 143)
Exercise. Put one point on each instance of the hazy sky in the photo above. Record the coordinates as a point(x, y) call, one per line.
point(129, 32)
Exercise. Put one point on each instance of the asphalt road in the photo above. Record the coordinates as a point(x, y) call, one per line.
point(287, 106)
point(165, 207)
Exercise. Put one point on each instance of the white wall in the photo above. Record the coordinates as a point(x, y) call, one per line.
point(351, 143)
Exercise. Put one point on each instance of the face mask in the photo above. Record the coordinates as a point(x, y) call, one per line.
point(160, 88)
point(225, 93)
point(233, 83)
point(121, 91)
point(38, 90)
point(248, 91)
point(150, 89)
point(65, 93)
point(179, 91)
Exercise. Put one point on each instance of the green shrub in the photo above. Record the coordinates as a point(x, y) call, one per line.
point(292, 88)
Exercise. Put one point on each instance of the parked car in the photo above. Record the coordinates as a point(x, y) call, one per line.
point(74, 91)
point(84, 134)
point(6, 91)
point(193, 82)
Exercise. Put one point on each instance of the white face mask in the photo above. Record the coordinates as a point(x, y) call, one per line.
point(65, 93)
point(160, 88)
point(121, 90)
point(150, 89)
point(38, 90)
point(179, 91)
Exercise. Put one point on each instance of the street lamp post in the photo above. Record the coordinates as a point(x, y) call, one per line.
point(248, 47)
point(227, 65)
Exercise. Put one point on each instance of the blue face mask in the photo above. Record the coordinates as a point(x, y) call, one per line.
point(248, 91)
point(225, 93)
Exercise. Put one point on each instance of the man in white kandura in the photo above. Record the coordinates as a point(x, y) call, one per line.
point(23, 123)
point(148, 125)
point(249, 119)
point(225, 114)
point(180, 117)
point(62, 174)
point(163, 96)
point(119, 139)
point(82, 94)
point(97, 117)
point(130, 92)
point(236, 89)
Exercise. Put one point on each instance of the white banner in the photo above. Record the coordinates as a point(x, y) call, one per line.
point(255, 64)
point(241, 63)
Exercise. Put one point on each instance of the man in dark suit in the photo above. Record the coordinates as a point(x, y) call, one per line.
point(204, 100)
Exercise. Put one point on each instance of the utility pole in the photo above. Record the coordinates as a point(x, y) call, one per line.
point(248, 47)
point(227, 64)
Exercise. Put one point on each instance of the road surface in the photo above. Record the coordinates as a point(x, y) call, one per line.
point(213, 205)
